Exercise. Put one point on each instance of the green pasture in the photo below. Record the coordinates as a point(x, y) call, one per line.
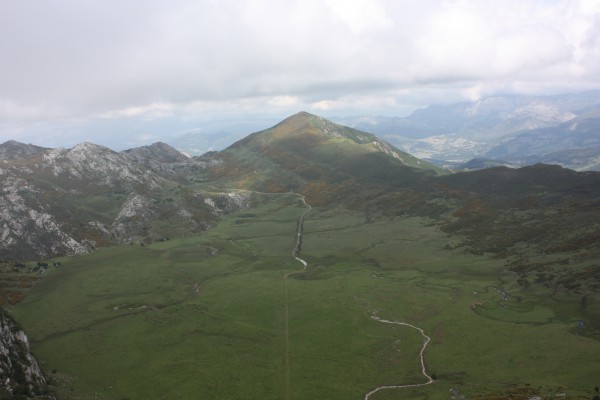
point(204, 317)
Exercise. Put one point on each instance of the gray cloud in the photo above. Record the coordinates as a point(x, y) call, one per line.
point(84, 60)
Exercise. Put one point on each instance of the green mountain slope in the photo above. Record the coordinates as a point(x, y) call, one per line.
point(311, 155)
point(543, 219)
point(581, 159)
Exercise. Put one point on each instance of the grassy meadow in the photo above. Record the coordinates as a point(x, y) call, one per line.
point(203, 317)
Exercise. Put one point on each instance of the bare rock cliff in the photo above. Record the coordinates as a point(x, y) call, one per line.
point(20, 374)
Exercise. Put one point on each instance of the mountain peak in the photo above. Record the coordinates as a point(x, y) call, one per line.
point(304, 114)
point(301, 119)
point(12, 149)
point(159, 151)
point(306, 148)
point(305, 123)
point(304, 130)
point(86, 147)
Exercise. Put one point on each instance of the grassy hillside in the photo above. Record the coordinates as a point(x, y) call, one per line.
point(311, 155)
point(205, 316)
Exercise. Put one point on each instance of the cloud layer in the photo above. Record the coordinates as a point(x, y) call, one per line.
point(74, 60)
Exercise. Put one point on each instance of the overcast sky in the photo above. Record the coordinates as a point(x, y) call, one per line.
point(140, 71)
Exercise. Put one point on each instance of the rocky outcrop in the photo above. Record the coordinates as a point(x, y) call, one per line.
point(70, 201)
point(88, 167)
point(157, 152)
point(168, 161)
point(28, 229)
point(20, 374)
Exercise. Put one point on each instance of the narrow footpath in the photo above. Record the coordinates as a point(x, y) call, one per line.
point(295, 252)
point(421, 355)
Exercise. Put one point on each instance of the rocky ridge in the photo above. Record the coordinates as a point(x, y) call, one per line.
point(69, 201)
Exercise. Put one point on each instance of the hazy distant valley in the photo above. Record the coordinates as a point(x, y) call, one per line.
point(517, 130)
point(501, 130)
point(147, 273)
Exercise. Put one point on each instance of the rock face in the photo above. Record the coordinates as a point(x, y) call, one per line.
point(88, 167)
point(70, 201)
point(157, 152)
point(167, 161)
point(20, 374)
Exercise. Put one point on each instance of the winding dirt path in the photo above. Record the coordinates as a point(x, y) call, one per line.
point(298, 245)
point(423, 369)
point(295, 252)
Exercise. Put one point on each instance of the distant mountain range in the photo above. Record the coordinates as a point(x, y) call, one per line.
point(513, 130)
point(520, 130)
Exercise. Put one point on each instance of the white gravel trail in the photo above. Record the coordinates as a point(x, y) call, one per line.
point(423, 369)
